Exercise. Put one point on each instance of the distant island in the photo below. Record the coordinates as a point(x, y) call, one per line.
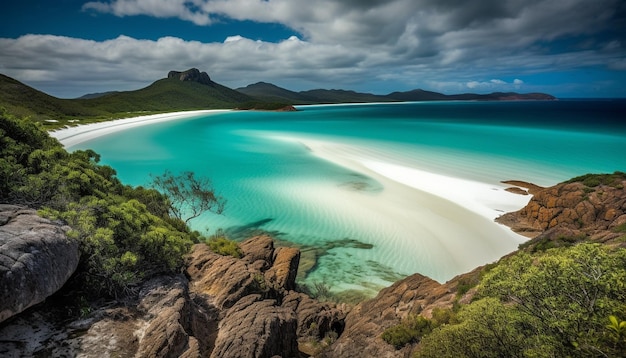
point(193, 90)
point(273, 93)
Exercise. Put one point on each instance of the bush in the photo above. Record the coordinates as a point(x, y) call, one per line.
point(224, 247)
point(410, 330)
point(594, 180)
point(553, 303)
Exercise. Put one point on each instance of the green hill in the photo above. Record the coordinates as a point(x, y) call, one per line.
point(25, 101)
point(188, 90)
point(169, 94)
point(272, 93)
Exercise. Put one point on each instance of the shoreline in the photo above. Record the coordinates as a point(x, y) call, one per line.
point(70, 136)
point(433, 218)
point(488, 200)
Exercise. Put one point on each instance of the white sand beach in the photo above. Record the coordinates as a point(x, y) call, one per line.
point(71, 136)
point(441, 220)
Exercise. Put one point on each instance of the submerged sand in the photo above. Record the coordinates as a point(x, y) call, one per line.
point(445, 222)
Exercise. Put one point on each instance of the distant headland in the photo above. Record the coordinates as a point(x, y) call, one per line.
point(195, 90)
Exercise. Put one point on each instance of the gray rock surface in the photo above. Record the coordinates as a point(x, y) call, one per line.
point(192, 75)
point(257, 328)
point(36, 259)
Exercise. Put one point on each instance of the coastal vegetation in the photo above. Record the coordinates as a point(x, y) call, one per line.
point(561, 302)
point(126, 234)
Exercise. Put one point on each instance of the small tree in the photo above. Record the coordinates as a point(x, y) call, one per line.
point(189, 197)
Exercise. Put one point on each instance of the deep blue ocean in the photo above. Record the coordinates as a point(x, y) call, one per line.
point(281, 187)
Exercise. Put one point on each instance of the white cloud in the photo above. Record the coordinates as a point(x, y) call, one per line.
point(183, 9)
point(342, 43)
point(233, 38)
point(236, 62)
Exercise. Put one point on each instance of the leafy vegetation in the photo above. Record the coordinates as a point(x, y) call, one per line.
point(556, 303)
point(413, 328)
point(188, 196)
point(126, 234)
point(410, 330)
point(546, 243)
point(225, 247)
point(593, 180)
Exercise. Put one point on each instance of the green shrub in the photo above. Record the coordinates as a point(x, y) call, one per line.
point(594, 180)
point(548, 304)
point(410, 330)
point(224, 247)
point(124, 233)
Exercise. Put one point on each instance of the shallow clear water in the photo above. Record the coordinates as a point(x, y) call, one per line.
point(281, 187)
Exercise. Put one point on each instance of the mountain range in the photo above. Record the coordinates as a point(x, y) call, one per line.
point(191, 90)
point(273, 93)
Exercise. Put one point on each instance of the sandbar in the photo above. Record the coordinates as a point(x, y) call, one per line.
point(444, 222)
point(71, 136)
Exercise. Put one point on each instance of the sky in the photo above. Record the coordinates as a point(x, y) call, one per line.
point(568, 48)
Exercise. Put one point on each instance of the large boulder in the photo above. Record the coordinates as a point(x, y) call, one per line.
point(282, 274)
point(223, 278)
point(257, 328)
point(36, 259)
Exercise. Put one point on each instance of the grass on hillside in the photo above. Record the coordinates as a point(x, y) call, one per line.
point(165, 95)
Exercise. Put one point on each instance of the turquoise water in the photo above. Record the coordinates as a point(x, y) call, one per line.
point(281, 187)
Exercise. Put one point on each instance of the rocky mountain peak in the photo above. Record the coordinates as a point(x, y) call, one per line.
point(192, 75)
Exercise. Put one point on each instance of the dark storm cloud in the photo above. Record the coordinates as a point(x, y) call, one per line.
point(440, 42)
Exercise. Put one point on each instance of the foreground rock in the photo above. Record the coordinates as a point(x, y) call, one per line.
point(36, 259)
point(223, 307)
point(261, 315)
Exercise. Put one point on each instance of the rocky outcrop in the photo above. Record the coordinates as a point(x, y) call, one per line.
point(175, 325)
point(261, 315)
point(413, 295)
point(227, 279)
point(282, 274)
point(257, 327)
point(191, 75)
point(165, 320)
point(223, 307)
point(583, 208)
point(36, 259)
